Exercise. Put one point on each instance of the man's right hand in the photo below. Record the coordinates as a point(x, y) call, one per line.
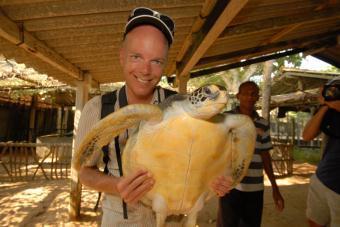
point(133, 187)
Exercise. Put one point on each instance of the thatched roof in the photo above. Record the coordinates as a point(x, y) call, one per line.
point(67, 39)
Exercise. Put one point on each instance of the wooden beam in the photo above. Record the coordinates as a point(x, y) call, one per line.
point(278, 22)
point(255, 60)
point(47, 9)
point(196, 26)
point(209, 33)
point(282, 33)
point(182, 84)
point(18, 36)
point(270, 48)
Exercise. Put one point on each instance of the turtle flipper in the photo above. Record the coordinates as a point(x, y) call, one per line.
point(192, 215)
point(105, 130)
point(160, 207)
point(243, 138)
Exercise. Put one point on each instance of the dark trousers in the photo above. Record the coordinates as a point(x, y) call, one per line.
point(240, 209)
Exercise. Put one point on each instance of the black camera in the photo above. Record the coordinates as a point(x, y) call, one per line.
point(331, 92)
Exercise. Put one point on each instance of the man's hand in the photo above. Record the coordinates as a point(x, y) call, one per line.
point(221, 185)
point(133, 187)
point(333, 105)
point(278, 199)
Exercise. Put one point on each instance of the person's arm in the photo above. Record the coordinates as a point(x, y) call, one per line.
point(312, 128)
point(267, 165)
point(130, 188)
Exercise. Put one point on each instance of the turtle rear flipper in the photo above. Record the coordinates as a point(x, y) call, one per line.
point(105, 130)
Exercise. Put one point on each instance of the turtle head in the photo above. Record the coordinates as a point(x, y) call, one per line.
point(207, 101)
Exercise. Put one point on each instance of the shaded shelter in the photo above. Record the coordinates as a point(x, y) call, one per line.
point(68, 39)
point(77, 41)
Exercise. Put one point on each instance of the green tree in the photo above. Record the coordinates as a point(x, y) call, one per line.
point(234, 77)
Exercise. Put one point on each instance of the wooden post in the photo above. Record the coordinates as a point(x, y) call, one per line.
point(183, 82)
point(293, 131)
point(31, 130)
point(64, 122)
point(82, 91)
point(59, 120)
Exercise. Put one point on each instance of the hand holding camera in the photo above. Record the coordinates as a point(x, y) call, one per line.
point(331, 94)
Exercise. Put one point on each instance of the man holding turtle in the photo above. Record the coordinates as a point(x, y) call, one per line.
point(148, 36)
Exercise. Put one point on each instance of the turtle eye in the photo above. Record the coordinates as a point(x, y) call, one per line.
point(207, 90)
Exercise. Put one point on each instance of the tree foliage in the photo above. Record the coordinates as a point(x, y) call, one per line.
point(232, 78)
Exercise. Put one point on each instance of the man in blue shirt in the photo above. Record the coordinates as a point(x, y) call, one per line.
point(323, 202)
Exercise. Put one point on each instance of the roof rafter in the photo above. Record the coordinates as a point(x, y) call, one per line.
point(250, 52)
point(211, 30)
point(278, 22)
point(15, 34)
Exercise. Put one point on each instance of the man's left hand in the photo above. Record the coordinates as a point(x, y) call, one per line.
point(221, 185)
point(278, 199)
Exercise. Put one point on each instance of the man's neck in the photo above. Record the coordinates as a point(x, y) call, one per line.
point(138, 100)
point(246, 111)
point(133, 99)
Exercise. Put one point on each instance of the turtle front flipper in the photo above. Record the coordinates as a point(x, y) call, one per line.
point(242, 144)
point(105, 130)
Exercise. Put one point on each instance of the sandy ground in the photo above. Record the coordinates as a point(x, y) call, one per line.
point(45, 202)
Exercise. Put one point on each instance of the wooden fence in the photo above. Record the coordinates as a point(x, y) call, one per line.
point(25, 160)
point(282, 159)
point(289, 130)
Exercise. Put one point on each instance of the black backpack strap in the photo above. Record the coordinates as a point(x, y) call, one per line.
point(122, 102)
point(168, 93)
point(108, 106)
point(108, 103)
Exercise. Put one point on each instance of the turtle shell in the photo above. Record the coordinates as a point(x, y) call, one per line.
point(183, 153)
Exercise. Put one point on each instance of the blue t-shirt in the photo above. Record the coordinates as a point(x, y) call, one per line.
point(328, 170)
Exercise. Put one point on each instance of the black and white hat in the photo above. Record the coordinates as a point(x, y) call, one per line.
point(143, 16)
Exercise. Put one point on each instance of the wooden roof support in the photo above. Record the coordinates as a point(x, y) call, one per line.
point(326, 38)
point(82, 94)
point(17, 35)
point(33, 9)
point(209, 33)
point(277, 22)
point(282, 33)
point(182, 84)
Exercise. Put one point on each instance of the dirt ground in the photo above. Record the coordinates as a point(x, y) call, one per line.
point(44, 202)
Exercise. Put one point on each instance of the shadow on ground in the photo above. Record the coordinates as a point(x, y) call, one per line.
point(45, 203)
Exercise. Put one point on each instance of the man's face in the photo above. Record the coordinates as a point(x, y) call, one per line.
point(143, 58)
point(248, 96)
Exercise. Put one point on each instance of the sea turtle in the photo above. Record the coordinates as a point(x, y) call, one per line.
point(185, 142)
